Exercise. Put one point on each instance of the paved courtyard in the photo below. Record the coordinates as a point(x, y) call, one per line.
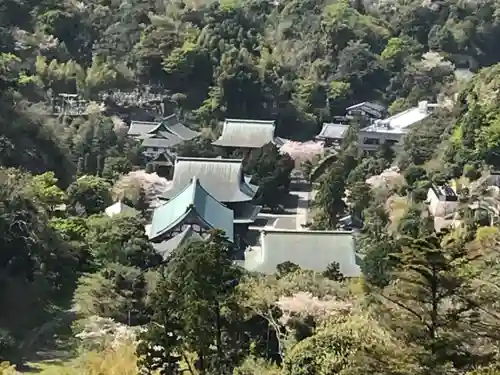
point(296, 209)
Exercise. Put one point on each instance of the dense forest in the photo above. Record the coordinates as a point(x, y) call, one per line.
point(84, 293)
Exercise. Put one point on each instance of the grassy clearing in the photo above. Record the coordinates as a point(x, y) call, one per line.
point(49, 367)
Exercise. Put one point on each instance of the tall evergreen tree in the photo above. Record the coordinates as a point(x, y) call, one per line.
point(428, 303)
point(330, 198)
point(376, 244)
point(197, 292)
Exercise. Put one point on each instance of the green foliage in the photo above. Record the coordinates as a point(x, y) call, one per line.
point(116, 291)
point(285, 268)
point(299, 62)
point(430, 276)
point(346, 346)
point(329, 198)
point(35, 261)
point(90, 194)
point(332, 272)
point(120, 239)
point(414, 174)
point(360, 197)
point(197, 310)
point(46, 190)
point(377, 245)
point(271, 172)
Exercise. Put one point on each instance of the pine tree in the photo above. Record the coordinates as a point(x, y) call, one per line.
point(427, 303)
point(329, 198)
point(376, 244)
point(158, 347)
point(197, 292)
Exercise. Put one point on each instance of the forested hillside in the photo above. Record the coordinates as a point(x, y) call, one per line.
point(79, 287)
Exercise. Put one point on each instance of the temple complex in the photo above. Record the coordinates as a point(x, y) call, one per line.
point(190, 213)
point(246, 134)
point(224, 180)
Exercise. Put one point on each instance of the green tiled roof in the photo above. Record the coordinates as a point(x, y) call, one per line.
point(193, 199)
point(313, 250)
point(222, 178)
point(246, 133)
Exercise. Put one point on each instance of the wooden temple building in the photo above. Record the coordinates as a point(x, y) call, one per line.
point(222, 179)
point(160, 136)
point(247, 134)
point(332, 134)
point(191, 213)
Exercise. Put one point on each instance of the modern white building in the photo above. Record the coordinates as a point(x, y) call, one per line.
point(393, 128)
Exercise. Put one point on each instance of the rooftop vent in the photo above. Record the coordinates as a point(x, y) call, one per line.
point(383, 124)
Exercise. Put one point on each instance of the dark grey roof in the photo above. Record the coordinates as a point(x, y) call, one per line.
point(165, 158)
point(313, 250)
point(367, 105)
point(222, 178)
point(166, 248)
point(176, 127)
point(170, 125)
point(246, 133)
point(161, 142)
point(372, 109)
point(445, 192)
point(333, 131)
point(141, 127)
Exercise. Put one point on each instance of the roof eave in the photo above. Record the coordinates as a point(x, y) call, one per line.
point(171, 225)
point(250, 219)
point(224, 143)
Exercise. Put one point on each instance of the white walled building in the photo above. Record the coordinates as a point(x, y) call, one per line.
point(393, 128)
point(442, 201)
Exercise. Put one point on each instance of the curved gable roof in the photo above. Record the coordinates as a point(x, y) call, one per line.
point(193, 198)
point(222, 178)
point(246, 133)
point(169, 124)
